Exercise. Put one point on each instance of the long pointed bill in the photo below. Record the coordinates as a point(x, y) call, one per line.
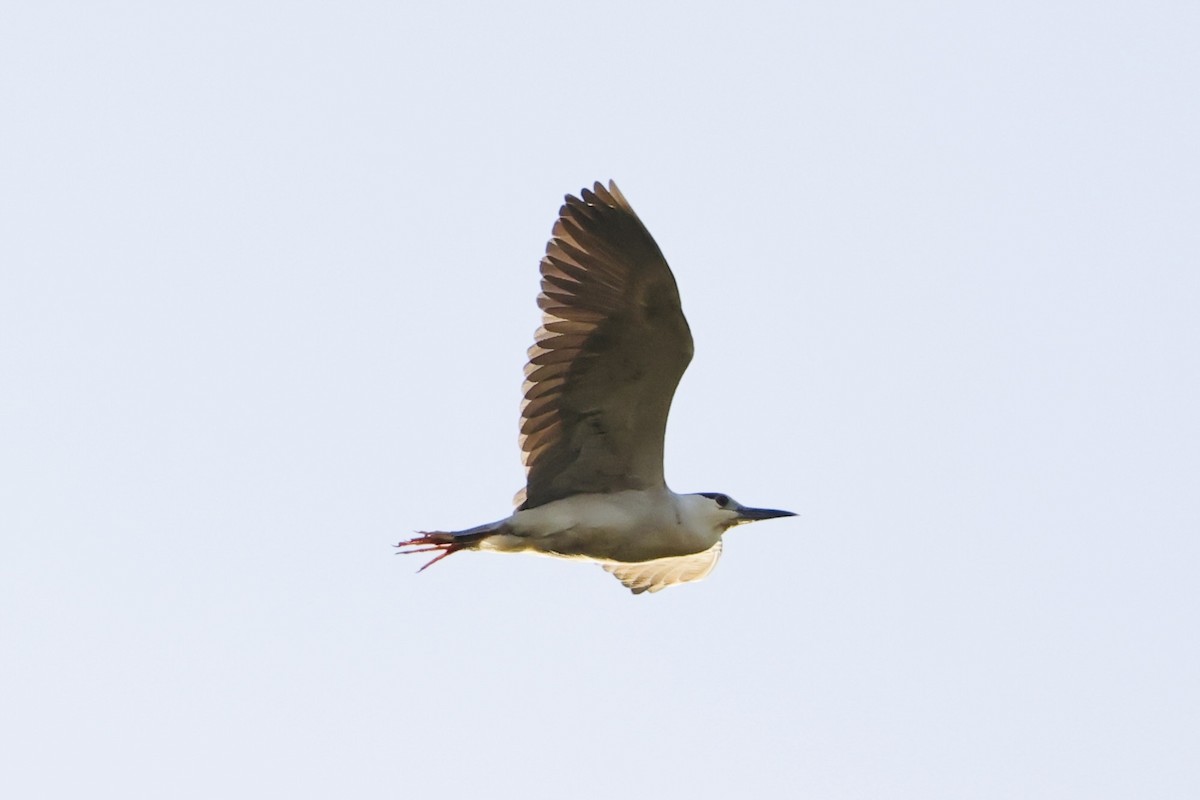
point(754, 514)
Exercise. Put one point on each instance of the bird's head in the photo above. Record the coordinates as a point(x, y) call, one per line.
point(727, 512)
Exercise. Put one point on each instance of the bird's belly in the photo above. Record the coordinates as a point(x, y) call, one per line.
point(624, 526)
point(606, 544)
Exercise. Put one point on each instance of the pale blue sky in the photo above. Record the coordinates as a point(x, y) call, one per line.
point(268, 277)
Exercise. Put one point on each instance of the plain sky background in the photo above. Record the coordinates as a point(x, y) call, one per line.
point(267, 277)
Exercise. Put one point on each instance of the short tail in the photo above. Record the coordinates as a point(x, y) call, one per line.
point(446, 543)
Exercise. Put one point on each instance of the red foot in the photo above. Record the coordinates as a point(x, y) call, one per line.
point(444, 544)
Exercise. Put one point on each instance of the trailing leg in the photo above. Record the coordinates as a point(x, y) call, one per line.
point(447, 543)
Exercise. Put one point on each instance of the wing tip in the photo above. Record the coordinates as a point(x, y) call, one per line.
point(609, 195)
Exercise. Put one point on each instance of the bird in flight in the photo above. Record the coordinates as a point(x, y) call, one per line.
point(603, 368)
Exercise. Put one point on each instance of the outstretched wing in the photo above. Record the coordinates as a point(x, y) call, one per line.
point(652, 576)
point(605, 363)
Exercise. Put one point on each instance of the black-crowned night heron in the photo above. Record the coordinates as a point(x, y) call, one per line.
point(598, 386)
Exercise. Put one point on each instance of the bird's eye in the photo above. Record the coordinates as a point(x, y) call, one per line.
point(720, 499)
